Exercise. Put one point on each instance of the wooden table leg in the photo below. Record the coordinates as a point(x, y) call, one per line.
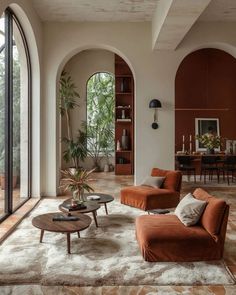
point(41, 236)
point(78, 234)
point(106, 208)
point(68, 243)
point(95, 218)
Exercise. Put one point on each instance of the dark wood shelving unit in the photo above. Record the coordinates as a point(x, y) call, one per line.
point(124, 101)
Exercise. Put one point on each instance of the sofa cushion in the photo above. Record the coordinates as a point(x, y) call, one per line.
point(153, 181)
point(147, 198)
point(165, 238)
point(212, 216)
point(172, 178)
point(189, 210)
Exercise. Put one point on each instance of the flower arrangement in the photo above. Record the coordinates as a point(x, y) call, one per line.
point(77, 182)
point(209, 141)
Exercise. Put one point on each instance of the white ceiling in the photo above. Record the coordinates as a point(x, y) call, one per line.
point(220, 10)
point(95, 10)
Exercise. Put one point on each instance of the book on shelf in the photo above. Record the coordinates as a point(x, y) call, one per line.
point(123, 120)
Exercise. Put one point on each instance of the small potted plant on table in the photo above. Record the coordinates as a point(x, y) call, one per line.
point(77, 182)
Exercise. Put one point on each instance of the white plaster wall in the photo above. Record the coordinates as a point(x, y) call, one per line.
point(154, 73)
point(81, 67)
point(32, 27)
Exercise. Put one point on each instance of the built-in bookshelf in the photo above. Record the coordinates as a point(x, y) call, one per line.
point(124, 118)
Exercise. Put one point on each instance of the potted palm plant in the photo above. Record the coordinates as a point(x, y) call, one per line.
point(75, 147)
point(77, 182)
point(76, 150)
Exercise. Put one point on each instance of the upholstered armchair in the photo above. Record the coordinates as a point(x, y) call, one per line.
point(166, 238)
point(148, 198)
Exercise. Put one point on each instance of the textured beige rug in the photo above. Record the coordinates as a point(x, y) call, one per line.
point(108, 255)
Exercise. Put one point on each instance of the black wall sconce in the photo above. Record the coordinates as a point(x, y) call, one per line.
point(155, 104)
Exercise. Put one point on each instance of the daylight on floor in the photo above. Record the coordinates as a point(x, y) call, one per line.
point(117, 147)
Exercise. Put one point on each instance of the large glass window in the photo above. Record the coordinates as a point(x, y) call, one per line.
point(101, 113)
point(2, 113)
point(14, 115)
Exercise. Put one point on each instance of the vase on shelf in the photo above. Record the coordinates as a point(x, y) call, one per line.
point(122, 86)
point(118, 147)
point(123, 114)
point(125, 140)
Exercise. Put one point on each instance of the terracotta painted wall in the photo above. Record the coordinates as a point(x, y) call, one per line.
point(205, 80)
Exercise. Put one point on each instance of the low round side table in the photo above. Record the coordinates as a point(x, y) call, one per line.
point(104, 199)
point(90, 207)
point(46, 222)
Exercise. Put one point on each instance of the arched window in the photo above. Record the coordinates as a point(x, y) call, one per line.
point(15, 88)
point(101, 114)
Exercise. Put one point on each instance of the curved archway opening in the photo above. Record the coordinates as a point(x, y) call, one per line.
point(204, 95)
point(94, 72)
point(100, 119)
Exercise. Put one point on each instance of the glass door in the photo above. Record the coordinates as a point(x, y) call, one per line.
point(14, 115)
point(2, 116)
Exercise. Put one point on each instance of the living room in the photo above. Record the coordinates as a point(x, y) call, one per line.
point(146, 44)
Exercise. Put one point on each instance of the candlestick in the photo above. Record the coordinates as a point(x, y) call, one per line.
point(190, 143)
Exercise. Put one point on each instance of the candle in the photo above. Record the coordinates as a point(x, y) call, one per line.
point(183, 148)
point(190, 147)
point(183, 138)
point(190, 137)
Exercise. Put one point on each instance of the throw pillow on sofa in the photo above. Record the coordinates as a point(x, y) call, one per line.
point(189, 210)
point(153, 181)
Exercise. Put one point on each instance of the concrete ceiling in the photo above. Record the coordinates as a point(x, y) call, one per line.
point(172, 21)
point(95, 10)
point(220, 10)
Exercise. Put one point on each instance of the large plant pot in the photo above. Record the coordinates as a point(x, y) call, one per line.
point(106, 168)
point(14, 181)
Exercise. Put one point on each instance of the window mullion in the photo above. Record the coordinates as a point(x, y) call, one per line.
point(8, 109)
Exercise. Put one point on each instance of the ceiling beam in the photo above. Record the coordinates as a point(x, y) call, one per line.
point(173, 19)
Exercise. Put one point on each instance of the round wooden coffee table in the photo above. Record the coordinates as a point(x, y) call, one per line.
point(104, 199)
point(90, 207)
point(45, 222)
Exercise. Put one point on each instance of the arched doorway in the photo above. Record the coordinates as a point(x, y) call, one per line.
point(81, 67)
point(204, 89)
point(100, 119)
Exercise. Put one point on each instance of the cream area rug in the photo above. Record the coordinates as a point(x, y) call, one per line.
point(108, 255)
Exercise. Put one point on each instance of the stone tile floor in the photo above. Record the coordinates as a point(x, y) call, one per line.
point(107, 182)
point(8, 225)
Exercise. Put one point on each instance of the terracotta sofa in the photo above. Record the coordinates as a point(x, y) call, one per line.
point(165, 238)
point(147, 198)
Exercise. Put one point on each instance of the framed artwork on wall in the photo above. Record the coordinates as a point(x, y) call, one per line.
point(204, 126)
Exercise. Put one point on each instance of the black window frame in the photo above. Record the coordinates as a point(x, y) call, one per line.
point(9, 18)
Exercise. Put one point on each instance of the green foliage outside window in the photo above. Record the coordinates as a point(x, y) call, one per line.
point(16, 111)
point(100, 124)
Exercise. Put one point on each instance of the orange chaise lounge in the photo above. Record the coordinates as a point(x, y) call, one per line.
point(166, 238)
point(148, 198)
